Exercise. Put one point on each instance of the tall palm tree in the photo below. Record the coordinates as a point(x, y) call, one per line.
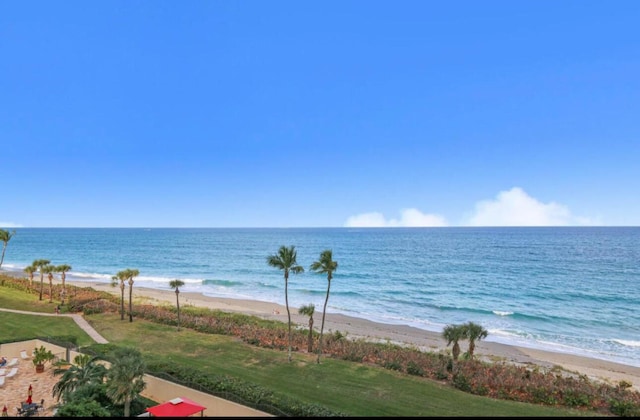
point(5, 237)
point(125, 377)
point(131, 273)
point(121, 278)
point(325, 265)
point(286, 260)
point(474, 332)
point(85, 370)
point(49, 270)
point(176, 284)
point(453, 334)
point(62, 269)
point(38, 264)
point(30, 269)
point(309, 310)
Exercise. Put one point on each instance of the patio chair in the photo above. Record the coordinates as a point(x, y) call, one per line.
point(12, 373)
point(24, 355)
point(12, 362)
point(1, 381)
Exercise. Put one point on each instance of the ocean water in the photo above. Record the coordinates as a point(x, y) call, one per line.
point(569, 289)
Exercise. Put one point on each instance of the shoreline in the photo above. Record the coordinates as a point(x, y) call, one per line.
point(353, 327)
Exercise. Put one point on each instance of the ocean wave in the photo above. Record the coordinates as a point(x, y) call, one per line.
point(220, 282)
point(628, 343)
point(503, 313)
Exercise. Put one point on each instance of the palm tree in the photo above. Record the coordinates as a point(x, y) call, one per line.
point(309, 310)
point(474, 332)
point(5, 237)
point(62, 269)
point(120, 277)
point(38, 264)
point(85, 370)
point(325, 265)
point(49, 270)
point(286, 260)
point(30, 270)
point(131, 273)
point(453, 334)
point(176, 284)
point(125, 378)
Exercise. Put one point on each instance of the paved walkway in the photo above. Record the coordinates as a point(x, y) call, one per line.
point(82, 323)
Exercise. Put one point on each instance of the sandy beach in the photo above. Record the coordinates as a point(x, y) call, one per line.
point(595, 369)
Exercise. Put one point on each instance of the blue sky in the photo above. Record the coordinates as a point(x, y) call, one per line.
point(319, 114)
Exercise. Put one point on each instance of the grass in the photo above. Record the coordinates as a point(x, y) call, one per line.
point(16, 299)
point(351, 388)
point(21, 327)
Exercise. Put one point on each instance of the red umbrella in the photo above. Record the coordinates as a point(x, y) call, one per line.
point(29, 401)
point(4, 412)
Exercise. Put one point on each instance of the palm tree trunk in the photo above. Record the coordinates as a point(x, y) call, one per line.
point(64, 290)
point(50, 288)
point(310, 341)
point(122, 301)
point(286, 300)
point(178, 306)
point(324, 311)
point(130, 302)
point(41, 284)
point(4, 248)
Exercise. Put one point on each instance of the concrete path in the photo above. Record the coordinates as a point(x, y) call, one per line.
point(82, 323)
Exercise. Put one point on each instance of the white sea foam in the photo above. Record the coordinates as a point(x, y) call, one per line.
point(629, 343)
point(503, 313)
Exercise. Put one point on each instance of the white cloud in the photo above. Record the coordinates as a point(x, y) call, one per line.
point(6, 225)
point(408, 218)
point(516, 208)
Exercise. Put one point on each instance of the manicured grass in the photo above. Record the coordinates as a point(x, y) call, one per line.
point(20, 327)
point(16, 299)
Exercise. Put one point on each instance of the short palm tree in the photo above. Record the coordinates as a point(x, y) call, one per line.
point(176, 284)
point(453, 334)
point(85, 370)
point(5, 237)
point(474, 332)
point(286, 260)
point(120, 278)
point(62, 269)
point(38, 264)
point(30, 270)
point(125, 377)
point(325, 265)
point(309, 310)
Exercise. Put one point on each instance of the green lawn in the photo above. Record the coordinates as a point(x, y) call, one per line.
point(351, 388)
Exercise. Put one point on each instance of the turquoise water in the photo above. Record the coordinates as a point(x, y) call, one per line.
point(570, 289)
